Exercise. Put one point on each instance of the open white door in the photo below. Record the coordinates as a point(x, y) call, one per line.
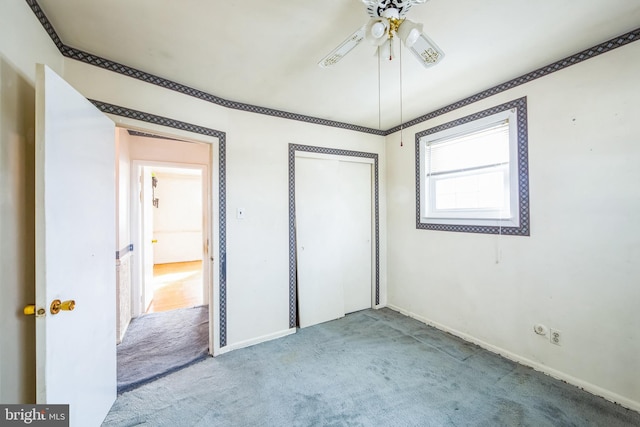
point(75, 252)
point(146, 210)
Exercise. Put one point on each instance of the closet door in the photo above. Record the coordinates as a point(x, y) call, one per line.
point(355, 221)
point(333, 228)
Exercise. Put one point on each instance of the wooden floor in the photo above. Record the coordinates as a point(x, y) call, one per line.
point(176, 285)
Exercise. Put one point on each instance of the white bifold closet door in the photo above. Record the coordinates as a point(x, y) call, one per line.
point(333, 229)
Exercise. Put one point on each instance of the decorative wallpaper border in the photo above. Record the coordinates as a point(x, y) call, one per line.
point(97, 61)
point(293, 307)
point(222, 188)
point(523, 229)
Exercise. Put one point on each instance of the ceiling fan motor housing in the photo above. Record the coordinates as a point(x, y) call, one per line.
point(389, 8)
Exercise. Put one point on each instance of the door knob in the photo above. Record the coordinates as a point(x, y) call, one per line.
point(30, 310)
point(154, 241)
point(57, 305)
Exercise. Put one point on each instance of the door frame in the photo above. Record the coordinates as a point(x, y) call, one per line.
point(175, 129)
point(137, 223)
point(297, 150)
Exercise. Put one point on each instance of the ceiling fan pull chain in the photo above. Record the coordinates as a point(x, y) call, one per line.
point(401, 119)
point(379, 93)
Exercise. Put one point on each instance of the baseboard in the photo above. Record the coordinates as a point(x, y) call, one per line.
point(258, 340)
point(584, 385)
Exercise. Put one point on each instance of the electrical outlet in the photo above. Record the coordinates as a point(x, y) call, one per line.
point(555, 336)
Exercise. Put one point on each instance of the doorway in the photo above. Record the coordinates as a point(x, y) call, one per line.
point(173, 226)
point(169, 225)
point(215, 140)
point(172, 180)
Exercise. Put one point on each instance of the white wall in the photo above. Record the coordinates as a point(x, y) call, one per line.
point(23, 42)
point(578, 271)
point(177, 221)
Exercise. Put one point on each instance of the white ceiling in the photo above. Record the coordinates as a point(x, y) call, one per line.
point(265, 53)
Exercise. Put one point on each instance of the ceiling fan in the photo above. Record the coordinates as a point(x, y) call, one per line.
point(387, 21)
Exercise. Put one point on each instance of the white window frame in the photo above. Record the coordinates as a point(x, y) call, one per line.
point(513, 220)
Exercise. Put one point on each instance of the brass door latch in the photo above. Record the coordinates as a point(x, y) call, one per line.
point(30, 310)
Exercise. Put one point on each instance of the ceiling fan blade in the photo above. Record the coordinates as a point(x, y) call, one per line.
point(345, 47)
point(426, 51)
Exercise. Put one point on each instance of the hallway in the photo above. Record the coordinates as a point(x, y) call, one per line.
point(174, 331)
point(176, 285)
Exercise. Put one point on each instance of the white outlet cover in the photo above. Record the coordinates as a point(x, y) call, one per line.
point(555, 336)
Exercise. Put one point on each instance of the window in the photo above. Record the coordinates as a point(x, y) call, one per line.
point(471, 174)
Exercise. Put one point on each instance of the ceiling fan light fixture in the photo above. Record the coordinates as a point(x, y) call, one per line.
point(409, 32)
point(426, 51)
point(376, 31)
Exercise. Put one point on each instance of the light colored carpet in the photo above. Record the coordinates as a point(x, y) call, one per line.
point(157, 344)
point(371, 368)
